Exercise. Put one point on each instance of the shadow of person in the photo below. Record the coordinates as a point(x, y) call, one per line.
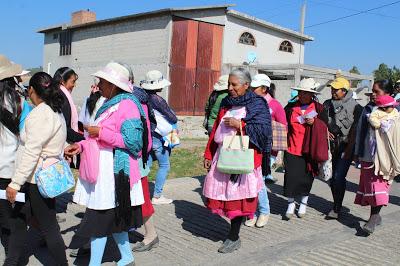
point(200, 222)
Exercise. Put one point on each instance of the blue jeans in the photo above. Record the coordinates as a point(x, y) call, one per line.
point(272, 161)
point(263, 201)
point(338, 182)
point(162, 154)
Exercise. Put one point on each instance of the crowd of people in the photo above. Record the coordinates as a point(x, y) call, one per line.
point(122, 128)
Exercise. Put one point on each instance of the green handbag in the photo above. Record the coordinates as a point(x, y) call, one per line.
point(236, 161)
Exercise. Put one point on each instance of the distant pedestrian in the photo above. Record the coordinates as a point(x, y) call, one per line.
point(396, 92)
point(343, 112)
point(261, 85)
point(307, 145)
point(214, 102)
point(235, 195)
point(374, 188)
point(154, 84)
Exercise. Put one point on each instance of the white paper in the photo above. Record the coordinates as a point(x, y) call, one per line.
point(311, 114)
point(20, 196)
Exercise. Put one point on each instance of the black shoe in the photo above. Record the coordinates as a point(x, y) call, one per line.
point(140, 247)
point(81, 252)
point(230, 246)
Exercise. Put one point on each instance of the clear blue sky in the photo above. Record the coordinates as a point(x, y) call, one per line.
point(365, 40)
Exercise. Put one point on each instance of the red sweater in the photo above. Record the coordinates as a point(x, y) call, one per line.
point(212, 146)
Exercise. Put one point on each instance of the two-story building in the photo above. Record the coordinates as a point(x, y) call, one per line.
point(191, 46)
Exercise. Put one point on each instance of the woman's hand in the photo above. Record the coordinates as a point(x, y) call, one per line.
point(72, 150)
point(232, 122)
point(310, 121)
point(207, 164)
point(331, 136)
point(11, 194)
point(93, 131)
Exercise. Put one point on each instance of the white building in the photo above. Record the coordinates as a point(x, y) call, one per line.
point(191, 46)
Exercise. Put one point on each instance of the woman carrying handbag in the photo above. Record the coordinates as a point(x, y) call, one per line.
point(233, 192)
point(43, 136)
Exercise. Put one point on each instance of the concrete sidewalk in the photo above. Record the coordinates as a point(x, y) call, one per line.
point(190, 234)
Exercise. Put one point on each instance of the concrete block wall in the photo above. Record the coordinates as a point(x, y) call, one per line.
point(143, 44)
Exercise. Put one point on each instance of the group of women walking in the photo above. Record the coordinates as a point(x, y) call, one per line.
point(113, 135)
point(322, 139)
point(118, 129)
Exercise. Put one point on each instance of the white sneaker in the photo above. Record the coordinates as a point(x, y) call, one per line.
point(161, 201)
point(251, 222)
point(262, 220)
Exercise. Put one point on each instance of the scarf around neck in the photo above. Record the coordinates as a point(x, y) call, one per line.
point(74, 112)
point(258, 119)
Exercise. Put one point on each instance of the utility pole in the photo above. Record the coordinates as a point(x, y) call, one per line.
point(303, 17)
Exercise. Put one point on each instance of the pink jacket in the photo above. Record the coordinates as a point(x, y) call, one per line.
point(110, 135)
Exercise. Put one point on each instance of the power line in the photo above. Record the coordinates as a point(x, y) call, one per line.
point(354, 10)
point(352, 15)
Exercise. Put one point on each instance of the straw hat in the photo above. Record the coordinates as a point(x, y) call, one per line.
point(116, 74)
point(222, 83)
point(154, 81)
point(8, 69)
point(308, 85)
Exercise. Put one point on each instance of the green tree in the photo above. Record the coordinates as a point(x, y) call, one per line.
point(354, 70)
point(34, 70)
point(383, 72)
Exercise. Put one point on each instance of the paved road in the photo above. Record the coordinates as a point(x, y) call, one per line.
point(191, 235)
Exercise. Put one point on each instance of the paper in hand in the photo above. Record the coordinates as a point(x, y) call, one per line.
point(20, 196)
point(310, 115)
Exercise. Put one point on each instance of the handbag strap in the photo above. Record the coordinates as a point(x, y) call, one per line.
point(240, 138)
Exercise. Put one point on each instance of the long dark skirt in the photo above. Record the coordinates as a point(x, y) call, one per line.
point(298, 181)
point(101, 223)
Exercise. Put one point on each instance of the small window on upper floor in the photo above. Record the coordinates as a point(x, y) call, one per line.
point(55, 36)
point(286, 46)
point(65, 42)
point(247, 38)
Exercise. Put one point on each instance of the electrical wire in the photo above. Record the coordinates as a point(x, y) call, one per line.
point(352, 15)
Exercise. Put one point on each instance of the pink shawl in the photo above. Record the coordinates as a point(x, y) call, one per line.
point(74, 112)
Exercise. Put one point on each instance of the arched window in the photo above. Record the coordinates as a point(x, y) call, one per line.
point(286, 46)
point(247, 38)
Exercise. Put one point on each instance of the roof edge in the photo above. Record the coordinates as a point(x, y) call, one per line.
point(154, 12)
point(269, 25)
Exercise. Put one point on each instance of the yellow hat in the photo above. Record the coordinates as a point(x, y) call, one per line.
point(340, 83)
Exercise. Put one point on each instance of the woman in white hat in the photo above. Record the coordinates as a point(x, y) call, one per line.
point(307, 145)
point(13, 111)
point(113, 200)
point(261, 85)
point(214, 102)
point(154, 84)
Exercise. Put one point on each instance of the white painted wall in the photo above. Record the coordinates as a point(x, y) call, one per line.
point(143, 44)
point(267, 44)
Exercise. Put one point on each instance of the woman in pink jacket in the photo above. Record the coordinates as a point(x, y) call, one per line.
point(113, 200)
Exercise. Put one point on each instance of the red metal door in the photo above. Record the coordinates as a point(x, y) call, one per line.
point(195, 64)
point(208, 67)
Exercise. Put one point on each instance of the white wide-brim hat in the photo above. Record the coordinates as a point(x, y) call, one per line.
point(116, 74)
point(260, 80)
point(154, 81)
point(8, 69)
point(222, 84)
point(23, 73)
point(308, 85)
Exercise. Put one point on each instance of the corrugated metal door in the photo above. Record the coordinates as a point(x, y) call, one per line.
point(208, 67)
point(195, 64)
